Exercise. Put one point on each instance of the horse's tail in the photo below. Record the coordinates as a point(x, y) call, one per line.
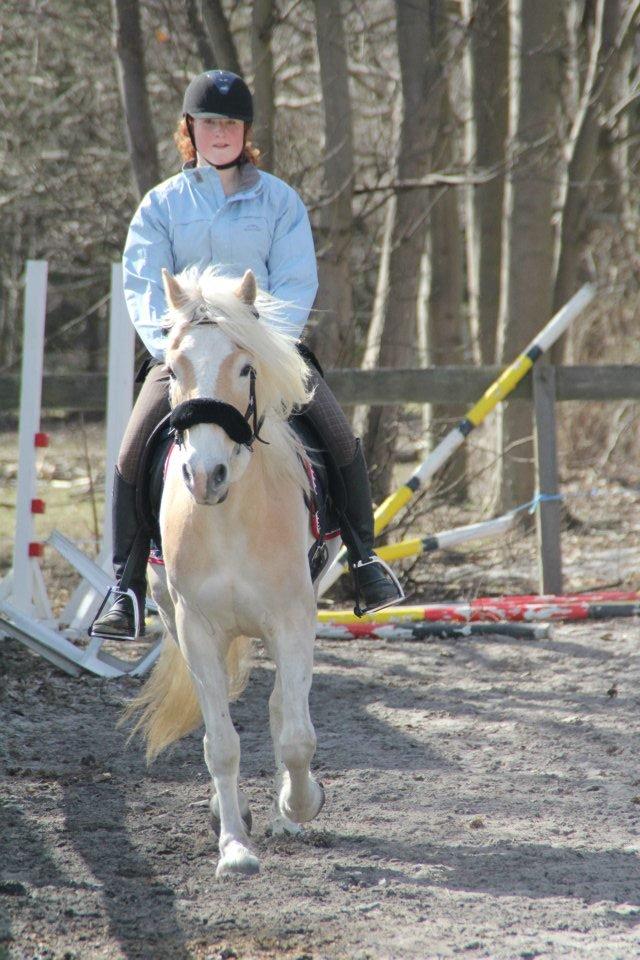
point(167, 707)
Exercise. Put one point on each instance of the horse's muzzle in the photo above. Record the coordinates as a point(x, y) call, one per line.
point(207, 488)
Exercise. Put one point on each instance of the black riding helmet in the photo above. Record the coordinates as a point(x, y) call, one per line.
point(218, 93)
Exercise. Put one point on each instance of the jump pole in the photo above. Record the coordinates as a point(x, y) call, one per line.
point(445, 540)
point(493, 395)
point(441, 630)
point(493, 609)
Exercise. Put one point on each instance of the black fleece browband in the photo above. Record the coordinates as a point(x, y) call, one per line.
point(203, 410)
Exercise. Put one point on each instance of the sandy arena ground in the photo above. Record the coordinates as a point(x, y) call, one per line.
point(483, 800)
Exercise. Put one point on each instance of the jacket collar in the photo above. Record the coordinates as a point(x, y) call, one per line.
point(249, 178)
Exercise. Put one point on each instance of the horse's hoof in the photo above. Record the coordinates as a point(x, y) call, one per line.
point(237, 861)
point(301, 816)
point(245, 812)
point(281, 826)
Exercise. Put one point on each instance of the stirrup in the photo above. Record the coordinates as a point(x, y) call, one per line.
point(113, 594)
point(360, 610)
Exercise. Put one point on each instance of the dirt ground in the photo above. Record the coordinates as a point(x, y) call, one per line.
point(483, 795)
point(483, 800)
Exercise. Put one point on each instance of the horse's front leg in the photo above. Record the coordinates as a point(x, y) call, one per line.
point(300, 797)
point(279, 824)
point(204, 652)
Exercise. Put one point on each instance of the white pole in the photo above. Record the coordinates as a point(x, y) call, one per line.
point(80, 610)
point(119, 391)
point(35, 308)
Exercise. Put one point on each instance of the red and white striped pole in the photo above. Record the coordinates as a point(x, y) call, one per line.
point(26, 549)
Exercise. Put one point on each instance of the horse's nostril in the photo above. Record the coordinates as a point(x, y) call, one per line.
point(186, 474)
point(220, 474)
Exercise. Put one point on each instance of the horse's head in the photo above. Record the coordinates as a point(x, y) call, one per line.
point(231, 375)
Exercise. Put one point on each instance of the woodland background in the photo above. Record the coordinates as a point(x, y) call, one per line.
point(466, 164)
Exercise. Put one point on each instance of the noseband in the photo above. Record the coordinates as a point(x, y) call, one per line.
point(241, 429)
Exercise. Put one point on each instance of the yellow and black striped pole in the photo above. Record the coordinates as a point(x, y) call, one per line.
point(493, 395)
point(446, 539)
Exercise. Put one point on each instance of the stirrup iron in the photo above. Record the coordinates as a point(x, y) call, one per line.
point(361, 610)
point(113, 594)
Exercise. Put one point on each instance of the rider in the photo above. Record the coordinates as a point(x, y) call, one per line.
point(222, 210)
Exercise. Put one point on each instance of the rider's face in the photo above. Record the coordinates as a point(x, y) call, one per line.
point(218, 140)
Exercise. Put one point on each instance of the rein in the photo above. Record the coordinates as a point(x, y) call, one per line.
point(241, 429)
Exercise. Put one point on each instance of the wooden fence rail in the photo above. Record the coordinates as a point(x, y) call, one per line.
point(87, 391)
point(442, 385)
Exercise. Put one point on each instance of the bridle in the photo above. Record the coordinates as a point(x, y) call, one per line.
point(242, 429)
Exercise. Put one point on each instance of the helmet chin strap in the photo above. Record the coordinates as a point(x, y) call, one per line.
point(223, 166)
point(226, 166)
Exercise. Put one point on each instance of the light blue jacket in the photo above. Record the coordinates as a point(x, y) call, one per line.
point(188, 220)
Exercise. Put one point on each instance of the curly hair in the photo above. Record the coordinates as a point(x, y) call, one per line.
point(187, 151)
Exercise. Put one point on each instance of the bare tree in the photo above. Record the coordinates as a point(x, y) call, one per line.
point(528, 243)
point(205, 50)
point(446, 340)
point(220, 36)
point(262, 23)
point(486, 131)
point(610, 38)
point(132, 80)
point(333, 337)
point(420, 71)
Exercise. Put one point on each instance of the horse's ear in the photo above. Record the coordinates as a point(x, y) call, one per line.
point(176, 297)
point(247, 290)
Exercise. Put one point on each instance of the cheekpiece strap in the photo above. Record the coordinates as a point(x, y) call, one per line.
point(252, 410)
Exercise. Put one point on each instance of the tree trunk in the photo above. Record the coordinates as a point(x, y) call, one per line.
point(446, 341)
point(205, 50)
point(217, 26)
point(419, 70)
point(586, 139)
point(374, 333)
point(528, 257)
point(486, 132)
point(333, 335)
point(263, 82)
point(132, 81)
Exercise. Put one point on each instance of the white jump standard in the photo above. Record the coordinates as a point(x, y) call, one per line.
point(25, 609)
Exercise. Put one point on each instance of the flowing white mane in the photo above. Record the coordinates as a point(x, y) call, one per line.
point(282, 375)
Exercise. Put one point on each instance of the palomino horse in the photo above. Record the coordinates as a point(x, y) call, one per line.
point(235, 536)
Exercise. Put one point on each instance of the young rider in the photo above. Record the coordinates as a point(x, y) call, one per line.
point(222, 210)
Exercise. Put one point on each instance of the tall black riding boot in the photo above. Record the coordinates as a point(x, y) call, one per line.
point(119, 621)
point(375, 585)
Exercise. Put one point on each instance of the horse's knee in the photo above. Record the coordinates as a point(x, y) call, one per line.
point(297, 749)
point(223, 754)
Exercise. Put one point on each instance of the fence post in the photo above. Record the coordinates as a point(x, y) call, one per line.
point(549, 512)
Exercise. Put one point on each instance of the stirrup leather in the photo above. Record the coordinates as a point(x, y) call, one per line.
point(113, 594)
point(361, 610)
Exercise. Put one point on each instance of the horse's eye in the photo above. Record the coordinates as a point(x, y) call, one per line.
point(246, 370)
point(172, 375)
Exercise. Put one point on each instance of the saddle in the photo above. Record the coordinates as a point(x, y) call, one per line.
point(325, 503)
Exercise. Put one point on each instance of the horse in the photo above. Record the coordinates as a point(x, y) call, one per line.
point(235, 538)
